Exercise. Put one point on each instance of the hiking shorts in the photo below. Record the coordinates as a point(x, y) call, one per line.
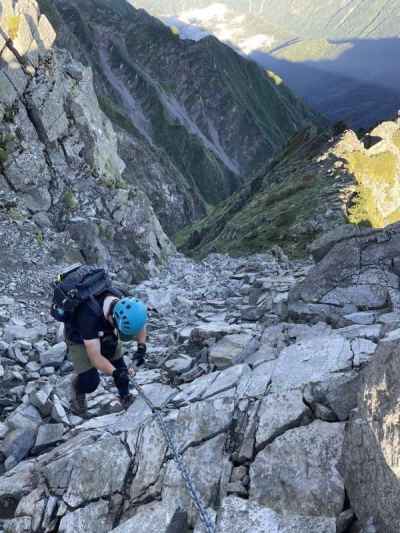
point(78, 356)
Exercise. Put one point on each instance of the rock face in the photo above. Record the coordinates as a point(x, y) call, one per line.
point(263, 434)
point(178, 105)
point(359, 273)
point(59, 154)
point(372, 443)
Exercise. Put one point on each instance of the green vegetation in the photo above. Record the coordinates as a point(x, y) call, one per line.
point(376, 178)
point(274, 77)
point(115, 114)
point(39, 237)
point(70, 200)
point(12, 26)
point(313, 50)
point(396, 139)
point(175, 31)
point(113, 183)
point(274, 208)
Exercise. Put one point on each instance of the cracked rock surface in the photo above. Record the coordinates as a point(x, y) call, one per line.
point(273, 441)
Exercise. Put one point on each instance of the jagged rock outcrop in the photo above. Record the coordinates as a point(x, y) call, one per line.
point(196, 116)
point(264, 434)
point(371, 458)
point(359, 273)
point(59, 152)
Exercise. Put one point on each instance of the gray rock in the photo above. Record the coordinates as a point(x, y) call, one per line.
point(48, 435)
point(94, 518)
point(278, 413)
point(150, 518)
point(86, 472)
point(25, 417)
point(312, 360)
point(206, 467)
point(16, 484)
point(392, 336)
point(4, 429)
point(41, 399)
point(14, 332)
point(18, 525)
point(371, 446)
point(338, 395)
point(18, 443)
point(239, 516)
point(365, 318)
point(363, 350)
point(344, 521)
point(229, 350)
point(54, 356)
point(58, 413)
point(203, 420)
point(150, 454)
point(255, 384)
point(179, 365)
point(7, 300)
point(372, 332)
point(298, 472)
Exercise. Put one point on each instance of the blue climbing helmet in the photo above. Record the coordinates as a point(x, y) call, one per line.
point(130, 316)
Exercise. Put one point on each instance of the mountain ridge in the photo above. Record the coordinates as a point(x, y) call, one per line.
point(184, 93)
point(355, 45)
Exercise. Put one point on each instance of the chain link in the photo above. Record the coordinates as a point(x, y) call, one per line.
point(205, 517)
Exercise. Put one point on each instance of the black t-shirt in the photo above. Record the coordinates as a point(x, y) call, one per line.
point(88, 325)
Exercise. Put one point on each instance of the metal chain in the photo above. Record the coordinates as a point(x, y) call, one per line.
point(205, 517)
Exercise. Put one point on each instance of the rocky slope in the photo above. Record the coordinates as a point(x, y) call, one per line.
point(59, 160)
point(195, 117)
point(256, 363)
point(339, 56)
point(317, 184)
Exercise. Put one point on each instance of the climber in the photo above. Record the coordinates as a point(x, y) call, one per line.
point(94, 344)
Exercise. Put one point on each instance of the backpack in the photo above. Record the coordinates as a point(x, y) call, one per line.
point(78, 284)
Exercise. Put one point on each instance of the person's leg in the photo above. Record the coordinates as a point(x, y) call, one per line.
point(88, 381)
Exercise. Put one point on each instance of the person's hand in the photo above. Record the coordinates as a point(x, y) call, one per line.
point(132, 372)
point(121, 377)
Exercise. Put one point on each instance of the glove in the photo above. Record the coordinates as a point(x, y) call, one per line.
point(121, 377)
point(140, 353)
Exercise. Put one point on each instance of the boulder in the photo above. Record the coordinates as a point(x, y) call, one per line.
point(298, 472)
point(93, 518)
point(242, 516)
point(48, 435)
point(278, 413)
point(87, 471)
point(312, 360)
point(370, 459)
point(25, 417)
point(18, 443)
point(229, 350)
point(54, 356)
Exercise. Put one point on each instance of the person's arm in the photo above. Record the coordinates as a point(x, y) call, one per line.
point(93, 349)
point(142, 336)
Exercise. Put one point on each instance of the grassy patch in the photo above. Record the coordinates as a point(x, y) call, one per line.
point(113, 183)
point(396, 139)
point(115, 115)
point(376, 178)
point(12, 26)
point(70, 200)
